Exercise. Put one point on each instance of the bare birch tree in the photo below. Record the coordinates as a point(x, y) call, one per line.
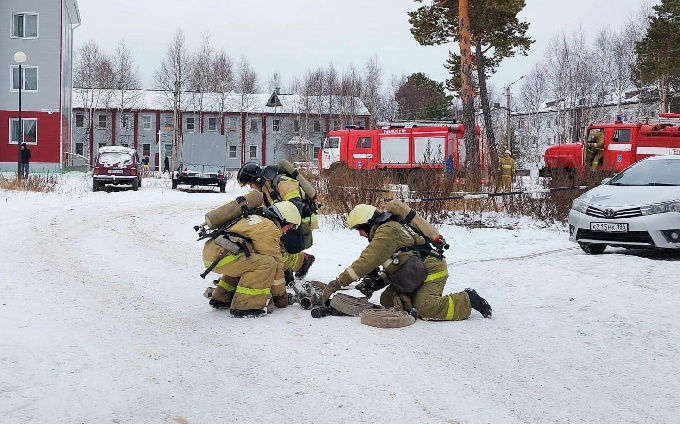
point(172, 77)
point(126, 78)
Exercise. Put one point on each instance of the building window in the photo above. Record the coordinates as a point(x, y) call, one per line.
point(364, 143)
point(317, 125)
point(146, 122)
point(233, 123)
point(253, 124)
point(212, 124)
point(101, 121)
point(253, 152)
point(276, 125)
point(80, 120)
point(316, 151)
point(296, 126)
point(79, 149)
point(125, 122)
point(25, 25)
point(232, 152)
point(146, 149)
point(30, 130)
point(29, 79)
point(336, 124)
point(190, 123)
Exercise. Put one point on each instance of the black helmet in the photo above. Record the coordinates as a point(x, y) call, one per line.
point(249, 172)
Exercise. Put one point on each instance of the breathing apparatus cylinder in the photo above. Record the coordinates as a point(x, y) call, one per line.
point(399, 208)
point(216, 217)
point(290, 170)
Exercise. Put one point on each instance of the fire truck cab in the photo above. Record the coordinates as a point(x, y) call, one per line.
point(395, 146)
point(624, 143)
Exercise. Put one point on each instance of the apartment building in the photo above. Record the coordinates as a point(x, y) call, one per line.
point(43, 31)
point(259, 127)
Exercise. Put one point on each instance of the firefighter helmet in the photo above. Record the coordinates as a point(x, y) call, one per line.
point(361, 215)
point(249, 172)
point(286, 212)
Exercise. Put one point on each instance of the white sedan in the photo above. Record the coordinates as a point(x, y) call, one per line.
point(638, 207)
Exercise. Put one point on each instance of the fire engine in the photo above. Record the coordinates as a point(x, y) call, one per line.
point(624, 143)
point(397, 146)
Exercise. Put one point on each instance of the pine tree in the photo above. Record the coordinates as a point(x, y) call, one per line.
point(420, 97)
point(495, 32)
point(659, 51)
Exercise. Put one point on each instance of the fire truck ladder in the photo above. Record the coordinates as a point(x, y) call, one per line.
point(418, 123)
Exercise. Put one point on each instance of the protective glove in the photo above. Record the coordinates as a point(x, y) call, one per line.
point(330, 288)
point(371, 283)
point(366, 287)
point(289, 277)
point(281, 301)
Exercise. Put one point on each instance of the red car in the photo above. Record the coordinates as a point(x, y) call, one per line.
point(117, 165)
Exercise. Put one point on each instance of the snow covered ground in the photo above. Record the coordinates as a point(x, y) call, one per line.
point(103, 321)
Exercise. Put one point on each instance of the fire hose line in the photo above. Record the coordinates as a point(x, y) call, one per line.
point(386, 318)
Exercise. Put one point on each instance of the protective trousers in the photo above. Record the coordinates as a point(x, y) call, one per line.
point(506, 183)
point(254, 277)
point(428, 299)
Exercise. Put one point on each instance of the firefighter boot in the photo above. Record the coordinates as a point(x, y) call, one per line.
point(306, 264)
point(248, 313)
point(478, 303)
point(220, 298)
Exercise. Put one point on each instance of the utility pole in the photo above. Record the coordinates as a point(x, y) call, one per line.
point(507, 110)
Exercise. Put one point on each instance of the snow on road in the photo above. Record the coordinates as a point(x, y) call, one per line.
point(103, 320)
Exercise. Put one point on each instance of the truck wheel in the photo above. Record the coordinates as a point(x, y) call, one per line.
point(592, 249)
point(222, 186)
point(174, 184)
point(140, 182)
point(135, 184)
point(95, 185)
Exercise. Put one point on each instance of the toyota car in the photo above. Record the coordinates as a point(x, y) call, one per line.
point(638, 207)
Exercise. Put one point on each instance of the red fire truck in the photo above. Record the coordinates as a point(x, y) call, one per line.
point(397, 146)
point(624, 143)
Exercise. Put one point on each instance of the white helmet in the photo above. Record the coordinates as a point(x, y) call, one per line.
point(287, 213)
point(362, 214)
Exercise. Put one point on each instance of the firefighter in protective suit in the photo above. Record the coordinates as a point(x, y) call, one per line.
point(400, 251)
point(506, 168)
point(276, 187)
point(595, 149)
point(250, 279)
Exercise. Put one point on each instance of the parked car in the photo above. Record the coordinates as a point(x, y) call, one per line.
point(199, 175)
point(116, 165)
point(638, 207)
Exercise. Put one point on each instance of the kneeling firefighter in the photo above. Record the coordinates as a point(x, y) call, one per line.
point(414, 271)
point(283, 182)
point(248, 253)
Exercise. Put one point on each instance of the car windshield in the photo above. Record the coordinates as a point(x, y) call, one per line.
point(663, 172)
point(115, 158)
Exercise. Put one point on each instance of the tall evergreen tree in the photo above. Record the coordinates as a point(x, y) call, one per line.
point(495, 32)
point(659, 51)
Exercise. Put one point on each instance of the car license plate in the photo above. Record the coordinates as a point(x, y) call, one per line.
point(608, 227)
point(115, 171)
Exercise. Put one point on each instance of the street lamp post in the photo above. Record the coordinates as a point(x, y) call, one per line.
point(20, 57)
point(507, 110)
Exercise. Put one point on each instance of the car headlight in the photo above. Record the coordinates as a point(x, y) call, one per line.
point(664, 207)
point(579, 205)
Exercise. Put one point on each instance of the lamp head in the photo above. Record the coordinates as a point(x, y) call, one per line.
point(20, 57)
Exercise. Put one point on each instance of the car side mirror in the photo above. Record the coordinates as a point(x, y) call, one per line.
point(606, 180)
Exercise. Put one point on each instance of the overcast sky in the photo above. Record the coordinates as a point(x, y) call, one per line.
point(292, 36)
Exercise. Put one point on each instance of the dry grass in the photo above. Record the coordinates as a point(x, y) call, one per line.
point(342, 189)
point(43, 183)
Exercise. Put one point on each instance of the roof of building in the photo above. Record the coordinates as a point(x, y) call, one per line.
point(214, 102)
